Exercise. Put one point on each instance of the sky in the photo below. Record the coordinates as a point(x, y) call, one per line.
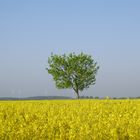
point(31, 29)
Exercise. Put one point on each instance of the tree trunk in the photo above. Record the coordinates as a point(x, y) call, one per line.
point(77, 93)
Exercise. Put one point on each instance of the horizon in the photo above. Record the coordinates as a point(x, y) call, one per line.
point(39, 97)
point(31, 30)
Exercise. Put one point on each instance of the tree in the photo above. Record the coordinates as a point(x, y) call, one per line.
point(73, 71)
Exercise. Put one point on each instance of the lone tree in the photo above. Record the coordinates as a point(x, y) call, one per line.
point(73, 71)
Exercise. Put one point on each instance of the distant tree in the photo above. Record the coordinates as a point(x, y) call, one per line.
point(96, 97)
point(82, 97)
point(91, 97)
point(73, 71)
point(87, 97)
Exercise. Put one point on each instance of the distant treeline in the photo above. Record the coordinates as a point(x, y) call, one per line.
point(64, 97)
point(91, 97)
point(36, 98)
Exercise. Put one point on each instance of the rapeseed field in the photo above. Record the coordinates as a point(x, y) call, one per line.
point(70, 120)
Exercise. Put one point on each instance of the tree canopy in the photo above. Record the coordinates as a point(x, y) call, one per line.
point(73, 71)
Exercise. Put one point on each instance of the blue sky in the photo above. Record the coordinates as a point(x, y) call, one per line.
point(107, 30)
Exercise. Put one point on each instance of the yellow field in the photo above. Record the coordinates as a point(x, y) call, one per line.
point(70, 120)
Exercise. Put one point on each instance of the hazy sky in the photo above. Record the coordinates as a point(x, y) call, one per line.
point(31, 29)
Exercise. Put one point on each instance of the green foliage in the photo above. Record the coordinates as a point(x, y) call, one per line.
point(73, 71)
